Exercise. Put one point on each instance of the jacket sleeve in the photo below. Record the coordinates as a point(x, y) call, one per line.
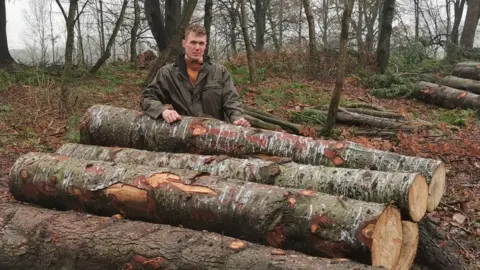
point(232, 106)
point(153, 96)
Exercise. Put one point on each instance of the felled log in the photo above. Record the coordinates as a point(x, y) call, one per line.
point(38, 238)
point(409, 245)
point(295, 128)
point(257, 123)
point(368, 120)
point(462, 84)
point(431, 253)
point(365, 111)
point(112, 126)
point(409, 191)
point(447, 97)
point(468, 70)
point(303, 220)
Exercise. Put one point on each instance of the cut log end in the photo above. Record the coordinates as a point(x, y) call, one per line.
point(418, 198)
point(409, 245)
point(436, 188)
point(387, 238)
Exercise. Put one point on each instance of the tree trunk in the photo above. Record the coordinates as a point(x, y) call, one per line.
point(383, 48)
point(417, 19)
point(134, 31)
point(471, 23)
point(102, 28)
point(156, 22)
point(458, 13)
point(260, 23)
point(409, 245)
point(430, 253)
point(408, 191)
point(175, 42)
point(67, 71)
point(208, 20)
point(81, 49)
point(312, 47)
point(303, 220)
point(447, 97)
point(462, 84)
point(111, 126)
point(337, 92)
point(69, 240)
point(233, 11)
point(5, 57)
point(171, 18)
point(467, 70)
point(111, 41)
point(252, 70)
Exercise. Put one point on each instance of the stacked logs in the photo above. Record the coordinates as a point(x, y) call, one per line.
point(321, 198)
point(461, 90)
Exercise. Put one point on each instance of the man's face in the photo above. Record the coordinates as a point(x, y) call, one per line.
point(194, 46)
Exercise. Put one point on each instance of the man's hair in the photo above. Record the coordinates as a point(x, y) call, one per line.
point(196, 29)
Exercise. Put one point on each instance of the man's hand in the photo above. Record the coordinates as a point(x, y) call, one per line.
point(171, 116)
point(241, 122)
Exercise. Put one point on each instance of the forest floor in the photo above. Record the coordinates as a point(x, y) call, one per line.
point(30, 120)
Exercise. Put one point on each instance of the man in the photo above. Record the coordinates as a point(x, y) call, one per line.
point(193, 86)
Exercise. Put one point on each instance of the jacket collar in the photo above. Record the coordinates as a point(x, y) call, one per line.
point(182, 65)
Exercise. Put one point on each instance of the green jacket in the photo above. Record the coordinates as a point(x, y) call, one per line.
point(213, 96)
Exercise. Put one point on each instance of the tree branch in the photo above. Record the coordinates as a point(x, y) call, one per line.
point(63, 10)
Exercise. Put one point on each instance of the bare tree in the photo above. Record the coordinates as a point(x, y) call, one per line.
point(337, 92)
point(471, 23)
point(70, 21)
point(312, 48)
point(260, 14)
point(111, 41)
point(36, 18)
point(134, 31)
point(208, 20)
point(252, 70)
point(5, 57)
point(458, 13)
point(383, 48)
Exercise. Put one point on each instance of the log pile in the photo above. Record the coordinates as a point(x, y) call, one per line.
point(331, 199)
point(461, 90)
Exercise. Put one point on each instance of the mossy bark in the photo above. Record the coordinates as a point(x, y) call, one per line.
point(302, 220)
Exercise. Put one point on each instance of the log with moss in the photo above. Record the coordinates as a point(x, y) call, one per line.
point(462, 84)
point(468, 70)
point(447, 97)
point(409, 191)
point(112, 126)
point(38, 238)
point(302, 220)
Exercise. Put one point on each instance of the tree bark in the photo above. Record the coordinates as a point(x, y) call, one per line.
point(69, 240)
point(172, 21)
point(5, 58)
point(371, 112)
point(310, 222)
point(467, 70)
point(471, 23)
point(409, 191)
point(252, 70)
point(208, 20)
point(462, 84)
point(260, 23)
point(337, 92)
point(156, 22)
point(101, 28)
point(430, 253)
point(111, 126)
point(67, 71)
point(81, 49)
point(312, 45)
point(134, 32)
point(111, 41)
point(458, 13)
point(383, 48)
point(447, 97)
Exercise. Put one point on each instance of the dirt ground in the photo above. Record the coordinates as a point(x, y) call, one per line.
point(33, 122)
